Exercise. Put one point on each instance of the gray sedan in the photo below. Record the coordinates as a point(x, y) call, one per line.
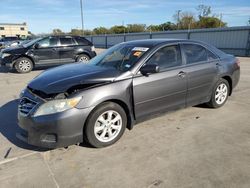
point(129, 82)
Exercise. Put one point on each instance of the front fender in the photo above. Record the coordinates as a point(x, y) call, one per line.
point(121, 90)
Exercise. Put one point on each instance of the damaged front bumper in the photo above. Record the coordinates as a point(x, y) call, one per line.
point(54, 130)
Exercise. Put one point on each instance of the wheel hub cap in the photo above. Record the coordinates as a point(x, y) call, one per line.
point(24, 65)
point(107, 126)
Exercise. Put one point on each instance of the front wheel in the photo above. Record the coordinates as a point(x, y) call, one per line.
point(220, 94)
point(23, 65)
point(105, 125)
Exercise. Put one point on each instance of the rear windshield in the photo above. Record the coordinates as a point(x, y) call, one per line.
point(121, 57)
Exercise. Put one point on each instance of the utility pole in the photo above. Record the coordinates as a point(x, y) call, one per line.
point(82, 18)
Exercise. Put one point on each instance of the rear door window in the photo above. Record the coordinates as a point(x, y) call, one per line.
point(195, 53)
point(211, 56)
point(67, 41)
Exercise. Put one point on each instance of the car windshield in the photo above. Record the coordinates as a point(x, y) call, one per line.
point(30, 42)
point(121, 57)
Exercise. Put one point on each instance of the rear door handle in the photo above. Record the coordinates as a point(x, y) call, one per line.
point(181, 74)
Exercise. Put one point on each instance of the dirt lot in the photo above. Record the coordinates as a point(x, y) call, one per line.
point(193, 147)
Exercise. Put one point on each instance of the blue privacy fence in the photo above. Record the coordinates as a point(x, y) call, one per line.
point(233, 40)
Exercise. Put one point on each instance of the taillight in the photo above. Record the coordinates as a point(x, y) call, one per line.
point(237, 62)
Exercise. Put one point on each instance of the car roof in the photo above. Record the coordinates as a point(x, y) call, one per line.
point(154, 42)
point(65, 36)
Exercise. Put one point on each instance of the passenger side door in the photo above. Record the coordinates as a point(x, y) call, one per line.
point(202, 71)
point(67, 50)
point(161, 91)
point(45, 51)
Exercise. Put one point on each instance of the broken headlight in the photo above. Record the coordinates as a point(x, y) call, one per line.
point(55, 106)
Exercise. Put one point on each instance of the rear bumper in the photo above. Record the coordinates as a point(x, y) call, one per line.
point(55, 130)
point(92, 54)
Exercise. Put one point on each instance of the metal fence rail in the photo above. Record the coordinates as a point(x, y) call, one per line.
point(233, 40)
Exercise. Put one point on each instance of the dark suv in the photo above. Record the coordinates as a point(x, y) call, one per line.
point(53, 50)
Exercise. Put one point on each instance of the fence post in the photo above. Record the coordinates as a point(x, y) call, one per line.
point(248, 45)
point(106, 41)
point(188, 35)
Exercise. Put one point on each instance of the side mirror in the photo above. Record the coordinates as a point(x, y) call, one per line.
point(149, 69)
point(36, 46)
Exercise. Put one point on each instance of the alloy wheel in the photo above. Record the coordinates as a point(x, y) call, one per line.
point(221, 93)
point(84, 59)
point(107, 126)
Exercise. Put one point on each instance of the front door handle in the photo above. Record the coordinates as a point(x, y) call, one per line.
point(218, 64)
point(181, 74)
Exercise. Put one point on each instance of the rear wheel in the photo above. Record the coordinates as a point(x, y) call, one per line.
point(83, 58)
point(106, 125)
point(220, 94)
point(23, 65)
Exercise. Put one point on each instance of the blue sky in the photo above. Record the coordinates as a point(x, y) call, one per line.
point(44, 15)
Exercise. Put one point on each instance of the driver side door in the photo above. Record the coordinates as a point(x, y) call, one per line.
point(161, 91)
point(46, 51)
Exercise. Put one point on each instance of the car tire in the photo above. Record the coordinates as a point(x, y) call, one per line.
point(105, 125)
point(83, 58)
point(23, 65)
point(220, 94)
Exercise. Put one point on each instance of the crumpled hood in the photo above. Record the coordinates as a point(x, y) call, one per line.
point(62, 78)
point(15, 50)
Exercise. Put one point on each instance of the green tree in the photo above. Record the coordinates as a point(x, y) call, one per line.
point(207, 21)
point(210, 22)
point(101, 30)
point(118, 29)
point(136, 28)
point(168, 26)
point(186, 21)
point(153, 28)
point(77, 32)
point(88, 32)
point(57, 32)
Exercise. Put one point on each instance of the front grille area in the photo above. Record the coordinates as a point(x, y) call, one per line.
point(26, 105)
point(41, 94)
